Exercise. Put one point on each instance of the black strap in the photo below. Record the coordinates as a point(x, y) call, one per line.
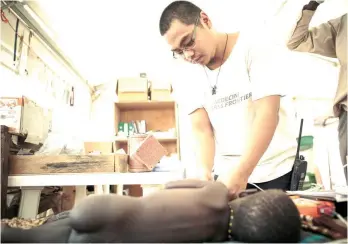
point(15, 42)
point(312, 5)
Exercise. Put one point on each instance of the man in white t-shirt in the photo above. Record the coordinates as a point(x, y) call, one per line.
point(241, 130)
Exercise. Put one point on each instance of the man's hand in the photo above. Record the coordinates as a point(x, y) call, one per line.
point(204, 174)
point(203, 136)
point(234, 180)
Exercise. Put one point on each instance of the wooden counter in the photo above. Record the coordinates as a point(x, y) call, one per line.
point(48, 164)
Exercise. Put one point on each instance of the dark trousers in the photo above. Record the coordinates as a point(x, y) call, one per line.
point(281, 183)
point(342, 136)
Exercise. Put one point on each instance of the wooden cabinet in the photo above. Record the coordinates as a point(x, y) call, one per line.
point(159, 116)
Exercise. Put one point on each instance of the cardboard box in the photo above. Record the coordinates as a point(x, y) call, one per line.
point(149, 189)
point(22, 115)
point(121, 163)
point(161, 91)
point(104, 147)
point(132, 89)
point(11, 113)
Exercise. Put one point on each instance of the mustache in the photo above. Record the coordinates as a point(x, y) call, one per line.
point(192, 60)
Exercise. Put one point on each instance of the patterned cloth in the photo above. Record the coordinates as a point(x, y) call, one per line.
point(24, 223)
point(324, 225)
point(309, 237)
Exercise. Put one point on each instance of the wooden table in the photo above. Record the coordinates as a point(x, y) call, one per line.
point(32, 184)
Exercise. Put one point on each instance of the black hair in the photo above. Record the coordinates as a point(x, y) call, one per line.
point(184, 11)
point(266, 217)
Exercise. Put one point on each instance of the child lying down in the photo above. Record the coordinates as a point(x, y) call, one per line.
point(184, 211)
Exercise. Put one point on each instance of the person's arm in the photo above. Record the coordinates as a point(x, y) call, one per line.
point(203, 137)
point(263, 126)
point(265, 75)
point(192, 104)
point(317, 40)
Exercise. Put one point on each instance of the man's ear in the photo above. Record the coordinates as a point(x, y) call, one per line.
point(205, 20)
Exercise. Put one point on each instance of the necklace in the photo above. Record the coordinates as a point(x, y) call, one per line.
point(213, 88)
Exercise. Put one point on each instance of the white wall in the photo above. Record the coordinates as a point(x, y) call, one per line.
point(102, 123)
point(46, 75)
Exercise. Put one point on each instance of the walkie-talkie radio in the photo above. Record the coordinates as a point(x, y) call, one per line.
point(300, 167)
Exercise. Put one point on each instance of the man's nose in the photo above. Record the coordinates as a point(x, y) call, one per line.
point(188, 54)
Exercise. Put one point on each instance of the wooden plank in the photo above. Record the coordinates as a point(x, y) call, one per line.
point(121, 163)
point(177, 131)
point(48, 164)
point(148, 104)
point(104, 147)
point(124, 139)
point(4, 154)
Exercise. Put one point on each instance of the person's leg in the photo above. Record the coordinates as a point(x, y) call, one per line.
point(342, 136)
point(281, 183)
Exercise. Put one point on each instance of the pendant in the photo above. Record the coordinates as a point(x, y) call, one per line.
point(213, 91)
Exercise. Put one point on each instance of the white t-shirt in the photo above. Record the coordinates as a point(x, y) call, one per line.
point(251, 72)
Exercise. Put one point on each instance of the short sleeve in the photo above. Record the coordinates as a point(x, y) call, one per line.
point(267, 71)
point(187, 89)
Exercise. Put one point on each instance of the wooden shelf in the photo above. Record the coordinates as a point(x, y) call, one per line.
point(159, 138)
point(158, 116)
point(145, 105)
point(161, 116)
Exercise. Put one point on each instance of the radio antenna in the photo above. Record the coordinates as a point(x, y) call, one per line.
point(299, 141)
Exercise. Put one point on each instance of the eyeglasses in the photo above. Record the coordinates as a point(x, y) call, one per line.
point(191, 44)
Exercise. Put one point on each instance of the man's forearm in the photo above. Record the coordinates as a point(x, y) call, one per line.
point(300, 38)
point(205, 149)
point(259, 139)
